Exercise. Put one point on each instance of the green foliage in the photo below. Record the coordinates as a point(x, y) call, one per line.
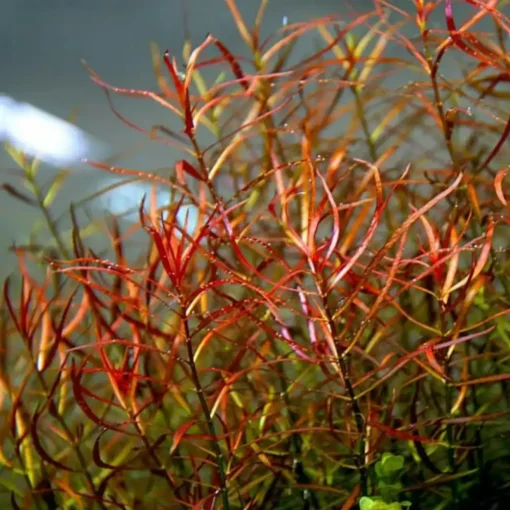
point(388, 473)
point(367, 503)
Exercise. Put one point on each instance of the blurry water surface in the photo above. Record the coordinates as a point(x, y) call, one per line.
point(43, 41)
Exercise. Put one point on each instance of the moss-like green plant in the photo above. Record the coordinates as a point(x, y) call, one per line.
point(367, 503)
point(388, 486)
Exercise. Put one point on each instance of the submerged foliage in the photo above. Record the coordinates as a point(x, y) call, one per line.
point(318, 317)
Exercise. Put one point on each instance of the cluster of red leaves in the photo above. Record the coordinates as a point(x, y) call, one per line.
point(331, 299)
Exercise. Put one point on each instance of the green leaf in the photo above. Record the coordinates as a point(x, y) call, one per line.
point(366, 503)
point(55, 187)
point(392, 463)
point(220, 78)
point(16, 155)
point(379, 470)
point(389, 491)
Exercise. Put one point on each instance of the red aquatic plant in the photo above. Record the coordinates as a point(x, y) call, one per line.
point(326, 285)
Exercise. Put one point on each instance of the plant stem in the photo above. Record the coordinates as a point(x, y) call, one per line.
point(46, 213)
point(207, 414)
point(358, 415)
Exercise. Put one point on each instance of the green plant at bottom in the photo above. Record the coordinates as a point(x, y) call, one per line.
point(388, 473)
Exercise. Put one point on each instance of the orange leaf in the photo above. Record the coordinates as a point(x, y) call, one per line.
point(498, 184)
point(180, 433)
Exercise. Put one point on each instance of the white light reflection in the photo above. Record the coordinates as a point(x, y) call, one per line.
point(125, 200)
point(44, 136)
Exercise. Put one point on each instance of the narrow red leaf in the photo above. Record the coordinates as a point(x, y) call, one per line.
point(11, 190)
point(179, 433)
point(429, 353)
point(169, 266)
point(39, 448)
point(336, 222)
point(96, 455)
point(58, 333)
point(402, 435)
point(498, 184)
point(234, 64)
point(189, 126)
point(501, 141)
point(184, 166)
point(452, 29)
point(78, 391)
point(179, 88)
point(485, 380)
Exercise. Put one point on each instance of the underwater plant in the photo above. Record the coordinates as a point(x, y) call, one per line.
point(316, 314)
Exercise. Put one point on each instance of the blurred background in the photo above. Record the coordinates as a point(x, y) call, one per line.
point(43, 41)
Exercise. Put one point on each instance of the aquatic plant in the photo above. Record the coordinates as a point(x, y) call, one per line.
point(329, 330)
